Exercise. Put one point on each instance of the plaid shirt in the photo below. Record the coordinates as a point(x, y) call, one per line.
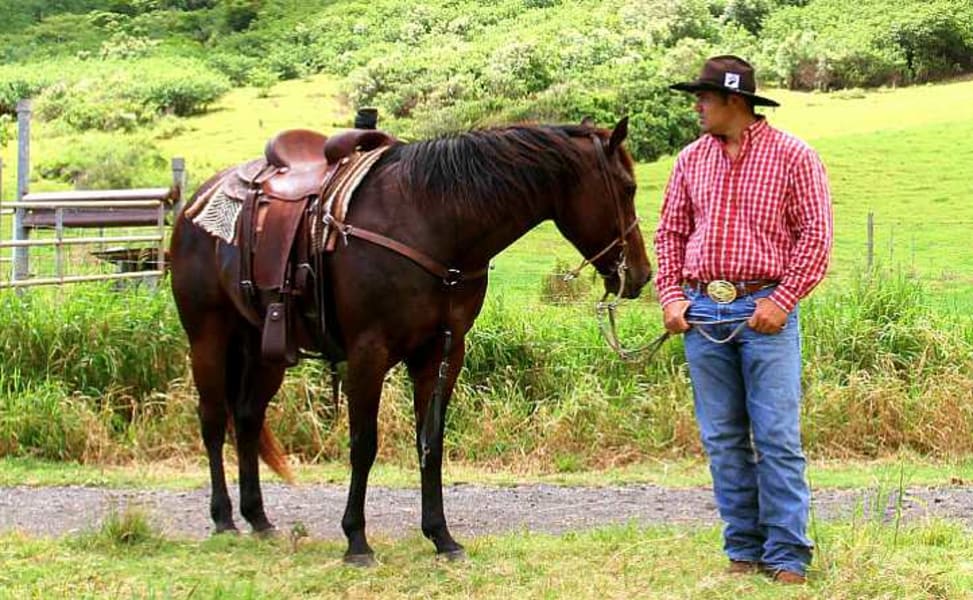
point(765, 215)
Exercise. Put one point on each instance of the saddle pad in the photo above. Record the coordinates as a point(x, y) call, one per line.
point(219, 213)
point(339, 193)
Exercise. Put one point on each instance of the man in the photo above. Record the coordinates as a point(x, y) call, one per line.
point(745, 233)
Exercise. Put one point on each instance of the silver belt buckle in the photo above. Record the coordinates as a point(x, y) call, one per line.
point(721, 291)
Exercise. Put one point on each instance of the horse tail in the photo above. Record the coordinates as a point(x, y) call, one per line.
point(270, 451)
point(273, 455)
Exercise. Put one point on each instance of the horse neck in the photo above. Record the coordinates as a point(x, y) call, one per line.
point(479, 239)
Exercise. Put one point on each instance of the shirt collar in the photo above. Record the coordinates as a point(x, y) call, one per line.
point(750, 134)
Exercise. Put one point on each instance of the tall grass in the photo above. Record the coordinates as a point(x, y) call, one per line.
point(102, 376)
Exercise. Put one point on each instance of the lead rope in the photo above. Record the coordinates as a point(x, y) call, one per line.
point(605, 313)
point(736, 330)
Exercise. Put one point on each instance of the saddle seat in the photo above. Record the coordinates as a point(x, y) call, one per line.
point(298, 155)
point(302, 158)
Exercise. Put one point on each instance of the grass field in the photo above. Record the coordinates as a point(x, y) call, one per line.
point(693, 472)
point(862, 557)
point(855, 560)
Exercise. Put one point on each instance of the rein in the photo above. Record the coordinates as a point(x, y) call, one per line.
point(605, 309)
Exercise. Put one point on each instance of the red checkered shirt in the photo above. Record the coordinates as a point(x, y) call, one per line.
point(764, 215)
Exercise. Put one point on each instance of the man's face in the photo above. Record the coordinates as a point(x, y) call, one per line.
point(715, 112)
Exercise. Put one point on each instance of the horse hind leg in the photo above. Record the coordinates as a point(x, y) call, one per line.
point(208, 356)
point(256, 383)
point(424, 371)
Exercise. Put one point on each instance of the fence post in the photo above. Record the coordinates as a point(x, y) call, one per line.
point(179, 182)
point(21, 257)
point(871, 239)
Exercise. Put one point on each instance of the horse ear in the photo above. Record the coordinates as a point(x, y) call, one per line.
point(618, 135)
point(588, 122)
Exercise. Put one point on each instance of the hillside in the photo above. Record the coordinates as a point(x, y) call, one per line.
point(121, 86)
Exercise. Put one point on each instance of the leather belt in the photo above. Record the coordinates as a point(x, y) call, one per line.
point(724, 291)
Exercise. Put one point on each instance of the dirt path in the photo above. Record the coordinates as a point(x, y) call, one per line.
point(471, 509)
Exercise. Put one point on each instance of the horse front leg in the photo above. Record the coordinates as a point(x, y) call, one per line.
point(258, 384)
point(424, 369)
point(367, 365)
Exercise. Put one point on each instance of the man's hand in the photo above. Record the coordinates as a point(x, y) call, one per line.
point(768, 317)
point(674, 316)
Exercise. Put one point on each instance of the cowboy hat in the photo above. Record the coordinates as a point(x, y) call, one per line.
point(726, 73)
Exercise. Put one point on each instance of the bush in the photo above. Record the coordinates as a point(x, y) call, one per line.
point(106, 162)
point(110, 95)
point(181, 87)
point(935, 39)
point(830, 44)
point(20, 83)
point(91, 104)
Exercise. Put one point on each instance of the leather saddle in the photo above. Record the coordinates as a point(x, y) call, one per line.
point(277, 193)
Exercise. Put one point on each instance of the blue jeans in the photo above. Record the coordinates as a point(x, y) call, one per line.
point(748, 398)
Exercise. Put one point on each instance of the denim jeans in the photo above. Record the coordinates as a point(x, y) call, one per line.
point(748, 398)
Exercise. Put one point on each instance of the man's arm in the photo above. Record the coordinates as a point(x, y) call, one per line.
point(671, 237)
point(810, 211)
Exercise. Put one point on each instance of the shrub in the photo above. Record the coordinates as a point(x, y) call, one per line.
point(91, 104)
point(517, 70)
point(20, 83)
point(180, 87)
point(936, 40)
point(106, 162)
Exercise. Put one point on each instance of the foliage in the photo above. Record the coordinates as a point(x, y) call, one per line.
point(883, 374)
point(111, 94)
point(440, 66)
point(106, 162)
point(6, 129)
point(830, 44)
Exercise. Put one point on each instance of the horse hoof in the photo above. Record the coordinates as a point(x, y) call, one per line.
point(457, 555)
point(267, 533)
point(360, 560)
point(231, 530)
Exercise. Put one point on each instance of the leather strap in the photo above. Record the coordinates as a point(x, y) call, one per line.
point(245, 241)
point(449, 276)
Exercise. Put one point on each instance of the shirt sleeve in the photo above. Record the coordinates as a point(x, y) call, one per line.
point(811, 214)
point(671, 236)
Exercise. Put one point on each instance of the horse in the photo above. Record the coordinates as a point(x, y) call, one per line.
point(461, 198)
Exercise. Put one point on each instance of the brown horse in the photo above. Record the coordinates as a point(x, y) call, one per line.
point(461, 199)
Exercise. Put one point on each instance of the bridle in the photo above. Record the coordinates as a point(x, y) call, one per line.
point(606, 307)
point(621, 264)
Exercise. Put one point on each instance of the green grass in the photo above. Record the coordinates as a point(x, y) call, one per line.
point(690, 472)
point(854, 560)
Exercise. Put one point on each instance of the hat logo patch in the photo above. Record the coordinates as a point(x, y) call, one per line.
point(731, 80)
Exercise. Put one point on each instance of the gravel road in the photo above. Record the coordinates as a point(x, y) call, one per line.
point(471, 509)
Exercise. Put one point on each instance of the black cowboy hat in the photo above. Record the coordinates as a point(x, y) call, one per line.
point(726, 73)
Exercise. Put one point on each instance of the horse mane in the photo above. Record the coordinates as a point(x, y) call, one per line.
point(478, 173)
